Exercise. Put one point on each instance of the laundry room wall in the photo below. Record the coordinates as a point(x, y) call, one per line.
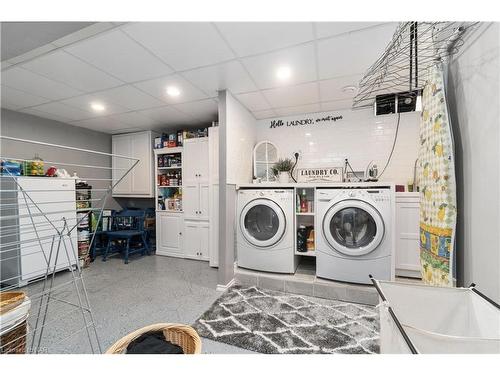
point(358, 135)
point(473, 94)
point(237, 133)
point(25, 126)
point(241, 135)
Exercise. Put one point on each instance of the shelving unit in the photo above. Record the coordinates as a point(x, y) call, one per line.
point(304, 215)
point(84, 218)
point(168, 197)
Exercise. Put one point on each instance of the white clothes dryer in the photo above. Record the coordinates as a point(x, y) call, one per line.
point(265, 238)
point(355, 234)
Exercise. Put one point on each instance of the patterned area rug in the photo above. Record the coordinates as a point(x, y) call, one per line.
point(267, 321)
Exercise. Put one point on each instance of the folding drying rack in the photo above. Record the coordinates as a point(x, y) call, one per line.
point(60, 302)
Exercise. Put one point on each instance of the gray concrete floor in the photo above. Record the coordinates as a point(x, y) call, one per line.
point(125, 297)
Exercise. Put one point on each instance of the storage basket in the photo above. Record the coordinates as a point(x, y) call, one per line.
point(14, 341)
point(14, 308)
point(183, 335)
point(436, 320)
point(10, 300)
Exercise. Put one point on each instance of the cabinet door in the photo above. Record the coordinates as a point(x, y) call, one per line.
point(190, 200)
point(122, 145)
point(142, 172)
point(203, 162)
point(191, 239)
point(203, 211)
point(190, 160)
point(169, 233)
point(407, 239)
point(204, 235)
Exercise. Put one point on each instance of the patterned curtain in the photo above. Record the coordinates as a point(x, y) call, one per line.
point(436, 177)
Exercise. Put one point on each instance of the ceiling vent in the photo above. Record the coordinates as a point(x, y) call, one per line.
point(401, 102)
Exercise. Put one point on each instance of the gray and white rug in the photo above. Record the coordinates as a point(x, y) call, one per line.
point(267, 321)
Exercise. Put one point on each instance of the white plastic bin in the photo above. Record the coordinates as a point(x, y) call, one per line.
point(436, 320)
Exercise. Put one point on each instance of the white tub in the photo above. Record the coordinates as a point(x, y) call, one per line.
point(436, 320)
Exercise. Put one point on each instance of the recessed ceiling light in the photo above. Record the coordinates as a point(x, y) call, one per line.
point(284, 72)
point(308, 134)
point(173, 91)
point(349, 89)
point(98, 107)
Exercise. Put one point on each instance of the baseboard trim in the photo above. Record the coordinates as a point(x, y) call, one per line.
point(222, 288)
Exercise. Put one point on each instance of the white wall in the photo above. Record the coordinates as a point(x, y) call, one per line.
point(474, 101)
point(241, 132)
point(359, 136)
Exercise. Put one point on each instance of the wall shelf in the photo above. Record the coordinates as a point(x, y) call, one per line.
point(169, 168)
point(311, 253)
point(304, 213)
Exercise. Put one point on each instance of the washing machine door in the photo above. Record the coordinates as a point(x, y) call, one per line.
point(353, 227)
point(262, 222)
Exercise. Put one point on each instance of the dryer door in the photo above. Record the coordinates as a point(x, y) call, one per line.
point(353, 227)
point(262, 222)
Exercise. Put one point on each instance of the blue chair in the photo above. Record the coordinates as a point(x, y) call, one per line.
point(127, 229)
point(99, 243)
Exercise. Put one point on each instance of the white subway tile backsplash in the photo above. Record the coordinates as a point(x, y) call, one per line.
point(359, 136)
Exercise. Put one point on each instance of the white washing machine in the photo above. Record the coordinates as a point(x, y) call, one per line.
point(355, 234)
point(265, 238)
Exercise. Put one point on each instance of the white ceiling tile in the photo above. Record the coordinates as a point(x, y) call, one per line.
point(259, 115)
point(84, 33)
point(300, 59)
point(5, 64)
point(118, 99)
point(331, 89)
point(203, 110)
point(157, 88)
point(254, 101)
point(352, 53)
point(292, 96)
point(84, 103)
point(135, 119)
point(168, 116)
point(326, 29)
point(20, 99)
point(62, 67)
point(231, 76)
point(289, 111)
point(117, 54)
point(32, 53)
point(63, 111)
point(35, 84)
point(336, 105)
point(183, 45)
point(117, 123)
point(248, 38)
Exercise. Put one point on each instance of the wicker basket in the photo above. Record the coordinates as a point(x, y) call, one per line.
point(10, 300)
point(184, 336)
point(14, 341)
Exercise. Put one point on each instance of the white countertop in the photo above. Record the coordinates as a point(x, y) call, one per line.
point(277, 185)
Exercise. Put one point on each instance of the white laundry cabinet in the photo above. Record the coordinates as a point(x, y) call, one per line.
point(186, 233)
point(33, 218)
point(407, 235)
point(139, 182)
point(213, 192)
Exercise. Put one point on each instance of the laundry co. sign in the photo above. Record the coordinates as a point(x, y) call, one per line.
point(306, 121)
point(328, 174)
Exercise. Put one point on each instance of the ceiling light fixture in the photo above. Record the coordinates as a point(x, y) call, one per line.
point(173, 91)
point(98, 107)
point(283, 73)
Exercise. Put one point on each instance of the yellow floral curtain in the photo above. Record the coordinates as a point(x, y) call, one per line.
point(436, 175)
